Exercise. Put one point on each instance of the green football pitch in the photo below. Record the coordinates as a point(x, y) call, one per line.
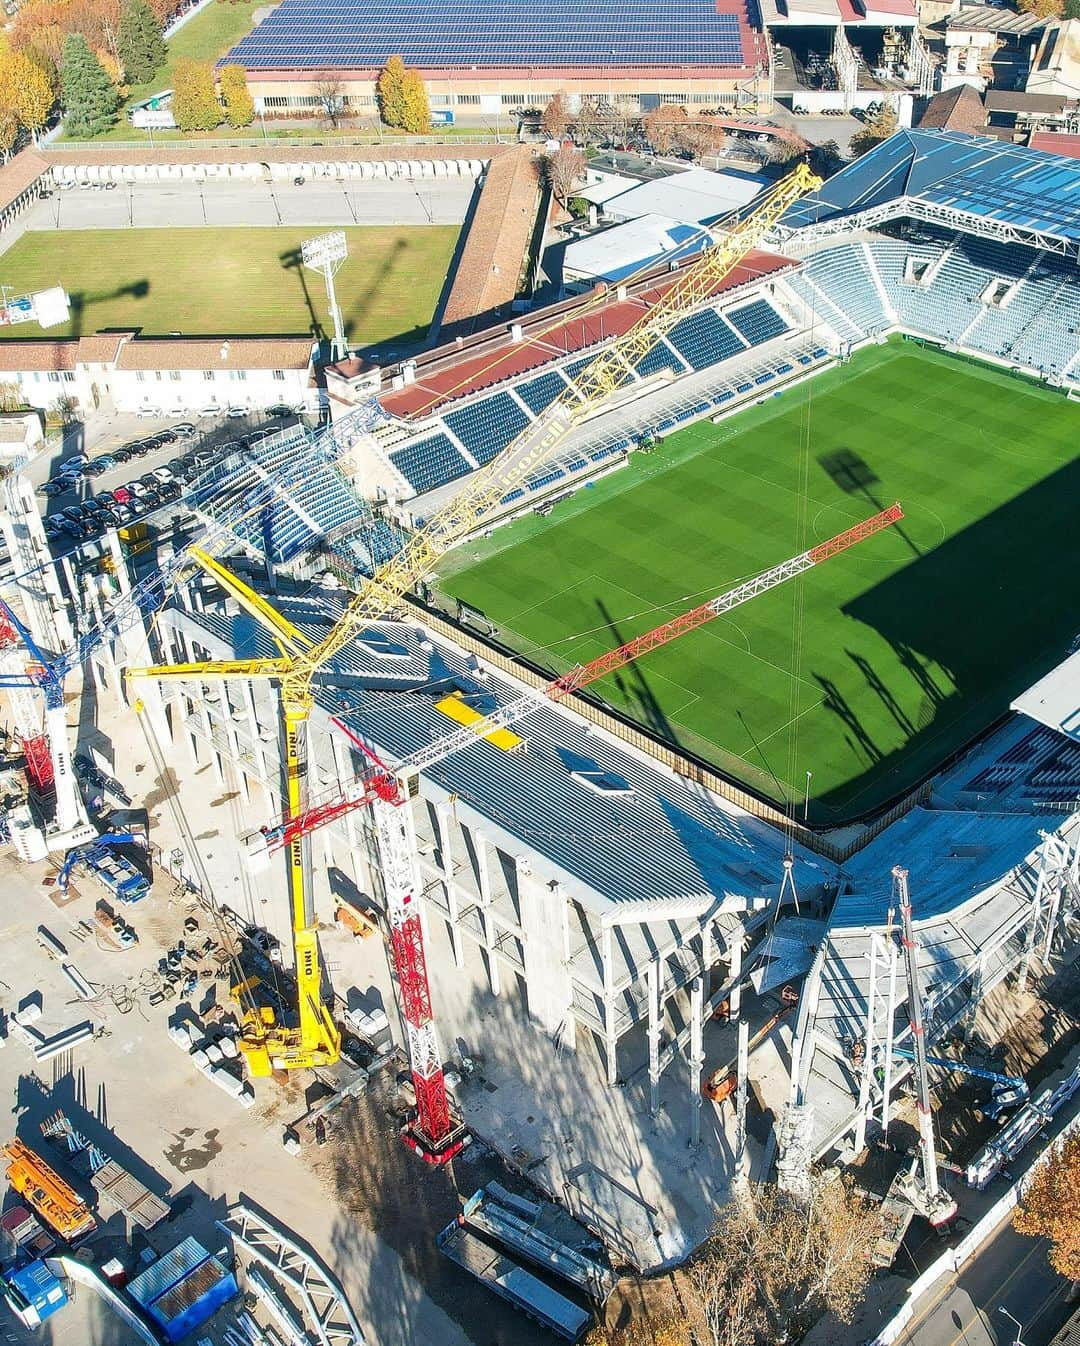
point(233, 282)
point(874, 667)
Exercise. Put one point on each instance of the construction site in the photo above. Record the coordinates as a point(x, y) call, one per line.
point(353, 960)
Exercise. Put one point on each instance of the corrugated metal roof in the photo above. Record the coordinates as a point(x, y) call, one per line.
point(152, 1283)
point(662, 842)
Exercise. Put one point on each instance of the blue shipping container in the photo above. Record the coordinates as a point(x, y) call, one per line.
point(194, 1299)
point(152, 1283)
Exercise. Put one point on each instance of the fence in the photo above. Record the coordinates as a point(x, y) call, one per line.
point(278, 138)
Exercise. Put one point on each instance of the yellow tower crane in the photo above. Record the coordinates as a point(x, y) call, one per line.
point(267, 1044)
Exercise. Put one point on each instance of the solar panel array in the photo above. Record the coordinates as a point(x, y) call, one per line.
point(364, 34)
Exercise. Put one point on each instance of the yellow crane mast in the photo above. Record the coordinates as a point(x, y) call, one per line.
point(267, 1044)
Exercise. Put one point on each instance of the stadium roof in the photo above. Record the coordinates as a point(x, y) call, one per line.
point(1055, 699)
point(963, 181)
point(517, 34)
point(620, 833)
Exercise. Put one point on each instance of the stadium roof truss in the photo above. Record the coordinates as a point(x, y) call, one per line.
point(972, 184)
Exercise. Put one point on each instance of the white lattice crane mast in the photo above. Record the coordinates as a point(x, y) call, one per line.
point(437, 1134)
point(930, 1198)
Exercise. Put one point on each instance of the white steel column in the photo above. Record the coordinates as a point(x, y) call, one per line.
point(742, 1167)
point(445, 824)
point(890, 1024)
point(610, 1036)
point(868, 1053)
point(483, 874)
point(735, 953)
point(696, 1059)
point(652, 989)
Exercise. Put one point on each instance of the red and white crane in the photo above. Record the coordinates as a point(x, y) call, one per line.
point(437, 1134)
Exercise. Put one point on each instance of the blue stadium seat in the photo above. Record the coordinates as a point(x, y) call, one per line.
point(660, 357)
point(757, 322)
point(485, 428)
point(429, 463)
point(539, 393)
point(704, 339)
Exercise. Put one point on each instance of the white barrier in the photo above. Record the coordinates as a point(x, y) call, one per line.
point(951, 1261)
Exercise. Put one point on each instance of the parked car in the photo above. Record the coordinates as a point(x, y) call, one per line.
point(122, 455)
point(170, 490)
point(122, 495)
point(278, 410)
point(185, 430)
point(148, 412)
point(53, 525)
point(210, 409)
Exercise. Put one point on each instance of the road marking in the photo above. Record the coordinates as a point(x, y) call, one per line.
point(950, 1284)
point(1000, 1293)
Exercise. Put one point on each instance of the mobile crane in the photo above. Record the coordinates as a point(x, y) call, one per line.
point(315, 1041)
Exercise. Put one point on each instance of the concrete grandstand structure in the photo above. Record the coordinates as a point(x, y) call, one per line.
point(592, 890)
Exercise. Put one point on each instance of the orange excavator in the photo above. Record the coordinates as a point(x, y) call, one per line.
point(723, 1081)
point(62, 1209)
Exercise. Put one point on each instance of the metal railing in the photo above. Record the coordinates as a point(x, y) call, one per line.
point(325, 140)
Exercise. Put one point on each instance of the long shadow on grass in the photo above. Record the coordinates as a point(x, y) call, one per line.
point(990, 606)
point(633, 686)
point(293, 260)
point(80, 301)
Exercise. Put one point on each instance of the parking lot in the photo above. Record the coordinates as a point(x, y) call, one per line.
point(135, 470)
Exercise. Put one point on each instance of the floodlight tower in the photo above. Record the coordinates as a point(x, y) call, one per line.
point(325, 254)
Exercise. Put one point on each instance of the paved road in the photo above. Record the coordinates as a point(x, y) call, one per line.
point(1012, 1271)
point(183, 204)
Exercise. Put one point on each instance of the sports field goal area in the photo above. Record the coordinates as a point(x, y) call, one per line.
point(873, 668)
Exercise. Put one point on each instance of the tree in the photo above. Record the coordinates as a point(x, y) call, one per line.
point(1071, 9)
point(563, 170)
point(880, 127)
point(239, 104)
point(9, 131)
point(698, 138)
point(826, 158)
point(390, 92)
point(589, 123)
point(25, 91)
point(773, 1265)
point(328, 92)
point(139, 43)
point(1050, 1208)
point(661, 124)
point(554, 120)
point(88, 96)
point(194, 103)
point(417, 118)
point(1045, 9)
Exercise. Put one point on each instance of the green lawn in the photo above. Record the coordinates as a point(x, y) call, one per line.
point(227, 282)
point(210, 34)
point(907, 646)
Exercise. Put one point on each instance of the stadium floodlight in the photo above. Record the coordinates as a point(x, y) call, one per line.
point(325, 254)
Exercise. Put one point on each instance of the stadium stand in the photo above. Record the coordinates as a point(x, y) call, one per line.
point(485, 428)
point(704, 339)
point(758, 322)
point(428, 462)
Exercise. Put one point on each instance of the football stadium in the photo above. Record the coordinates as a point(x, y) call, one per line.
point(848, 369)
point(633, 853)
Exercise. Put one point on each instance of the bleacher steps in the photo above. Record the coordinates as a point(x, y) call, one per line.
point(879, 284)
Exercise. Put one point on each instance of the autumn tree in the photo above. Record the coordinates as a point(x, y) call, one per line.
point(25, 91)
point(390, 92)
point(590, 122)
point(697, 138)
point(826, 158)
point(1045, 9)
point(563, 170)
point(194, 104)
point(661, 125)
point(9, 131)
point(417, 118)
point(239, 104)
point(555, 120)
point(88, 96)
point(328, 92)
point(139, 43)
point(774, 1265)
point(1050, 1208)
point(880, 127)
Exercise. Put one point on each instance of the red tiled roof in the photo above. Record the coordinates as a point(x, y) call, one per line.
point(446, 375)
point(1057, 142)
point(18, 174)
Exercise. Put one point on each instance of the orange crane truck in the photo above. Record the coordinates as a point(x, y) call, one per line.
point(62, 1209)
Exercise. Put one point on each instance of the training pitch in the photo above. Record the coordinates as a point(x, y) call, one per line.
point(233, 282)
point(906, 648)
